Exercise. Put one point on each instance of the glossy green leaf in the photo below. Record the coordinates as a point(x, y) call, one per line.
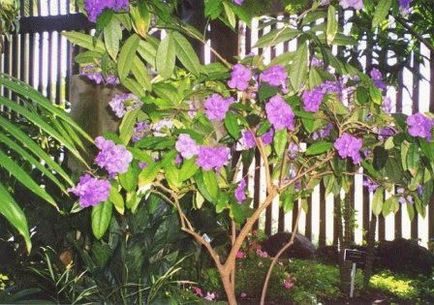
point(332, 24)
point(148, 52)
point(101, 217)
point(232, 125)
point(298, 69)
point(280, 141)
point(126, 56)
point(381, 12)
point(186, 54)
point(318, 148)
point(211, 184)
point(230, 15)
point(85, 41)
point(377, 201)
point(166, 55)
point(126, 129)
point(117, 200)
point(24, 178)
point(112, 37)
point(13, 213)
point(276, 36)
point(188, 169)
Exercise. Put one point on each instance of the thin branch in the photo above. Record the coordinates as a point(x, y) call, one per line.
point(276, 258)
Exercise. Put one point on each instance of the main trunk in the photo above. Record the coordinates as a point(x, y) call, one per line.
point(229, 287)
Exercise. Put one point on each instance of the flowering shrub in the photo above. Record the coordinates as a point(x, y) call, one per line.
point(311, 115)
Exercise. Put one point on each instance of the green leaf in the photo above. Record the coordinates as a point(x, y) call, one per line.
point(186, 54)
point(148, 52)
point(117, 200)
point(390, 205)
point(410, 211)
point(232, 126)
point(85, 41)
point(128, 180)
point(141, 74)
point(13, 213)
point(148, 174)
point(188, 169)
point(405, 146)
point(172, 176)
point(318, 148)
point(232, 19)
point(24, 178)
point(332, 24)
point(211, 184)
point(276, 36)
point(287, 199)
point(377, 201)
point(202, 187)
point(112, 37)
point(413, 159)
point(280, 141)
point(101, 217)
point(166, 55)
point(213, 8)
point(126, 129)
point(376, 95)
point(298, 69)
point(126, 55)
point(381, 12)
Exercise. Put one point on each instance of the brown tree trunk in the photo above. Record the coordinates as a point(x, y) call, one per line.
point(229, 286)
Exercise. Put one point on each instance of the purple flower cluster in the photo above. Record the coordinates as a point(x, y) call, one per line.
point(212, 157)
point(91, 191)
point(124, 102)
point(240, 77)
point(386, 132)
point(238, 2)
point(247, 140)
point(404, 6)
point(370, 184)
point(275, 76)
point(94, 8)
point(113, 158)
point(349, 146)
point(92, 73)
point(323, 133)
point(267, 137)
point(377, 77)
point(315, 62)
point(140, 130)
point(240, 192)
point(420, 126)
point(387, 105)
point(293, 150)
point(186, 146)
point(355, 4)
point(279, 113)
point(312, 98)
point(216, 107)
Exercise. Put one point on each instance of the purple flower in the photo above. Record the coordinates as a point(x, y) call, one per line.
point(238, 2)
point(112, 80)
point(377, 77)
point(216, 107)
point(370, 184)
point(356, 4)
point(186, 146)
point(331, 87)
point(267, 137)
point(212, 157)
point(240, 77)
point(140, 130)
point(312, 99)
point(274, 76)
point(279, 113)
point(293, 150)
point(94, 74)
point(420, 126)
point(91, 191)
point(323, 133)
point(94, 8)
point(240, 192)
point(419, 190)
point(143, 165)
point(113, 158)
point(315, 62)
point(349, 146)
point(192, 111)
point(386, 132)
point(404, 6)
point(247, 140)
point(124, 102)
point(387, 105)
